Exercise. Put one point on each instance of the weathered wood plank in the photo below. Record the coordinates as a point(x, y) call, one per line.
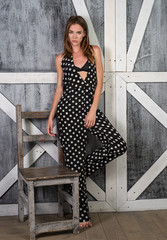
point(95, 190)
point(24, 198)
point(111, 168)
point(28, 77)
point(130, 226)
point(31, 210)
point(19, 136)
point(109, 29)
point(60, 201)
point(75, 203)
point(145, 221)
point(121, 29)
point(100, 206)
point(54, 226)
point(96, 232)
point(138, 33)
point(45, 173)
point(31, 115)
point(40, 138)
point(158, 218)
point(111, 227)
point(66, 197)
point(60, 153)
point(139, 77)
point(19, 231)
point(149, 228)
point(143, 205)
point(21, 196)
point(151, 223)
point(121, 102)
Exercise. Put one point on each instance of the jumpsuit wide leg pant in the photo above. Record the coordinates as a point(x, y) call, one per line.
point(74, 148)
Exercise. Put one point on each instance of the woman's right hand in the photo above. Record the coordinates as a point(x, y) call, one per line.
point(50, 127)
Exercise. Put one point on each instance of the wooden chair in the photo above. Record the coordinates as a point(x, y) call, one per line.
point(44, 176)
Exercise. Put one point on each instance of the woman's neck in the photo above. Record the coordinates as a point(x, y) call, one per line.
point(76, 50)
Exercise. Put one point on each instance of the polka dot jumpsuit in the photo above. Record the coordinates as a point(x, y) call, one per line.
point(71, 112)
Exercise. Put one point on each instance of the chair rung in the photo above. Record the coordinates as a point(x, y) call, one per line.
point(54, 226)
point(40, 138)
point(31, 115)
point(67, 197)
point(24, 197)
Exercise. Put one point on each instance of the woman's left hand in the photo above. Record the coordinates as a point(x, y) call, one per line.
point(90, 119)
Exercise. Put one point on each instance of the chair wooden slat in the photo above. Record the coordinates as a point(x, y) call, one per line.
point(32, 115)
point(19, 136)
point(39, 138)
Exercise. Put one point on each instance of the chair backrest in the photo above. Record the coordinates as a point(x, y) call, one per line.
point(33, 138)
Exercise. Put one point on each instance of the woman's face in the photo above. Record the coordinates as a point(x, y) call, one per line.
point(76, 34)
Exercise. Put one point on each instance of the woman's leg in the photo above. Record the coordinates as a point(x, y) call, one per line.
point(74, 149)
point(113, 144)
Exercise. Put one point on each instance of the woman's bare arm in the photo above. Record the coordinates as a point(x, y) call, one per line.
point(91, 116)
point(57, 95)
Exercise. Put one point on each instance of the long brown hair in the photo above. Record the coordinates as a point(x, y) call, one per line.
point(85, 46)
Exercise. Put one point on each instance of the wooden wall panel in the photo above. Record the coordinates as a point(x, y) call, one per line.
point(153, 51)
point(133, 10)
point(96, 12)
point(32, 32)
point(146, 140)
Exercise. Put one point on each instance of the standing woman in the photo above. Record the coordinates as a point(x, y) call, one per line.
point(79, 86)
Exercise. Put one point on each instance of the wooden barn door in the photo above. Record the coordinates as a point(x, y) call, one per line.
point(141, 112)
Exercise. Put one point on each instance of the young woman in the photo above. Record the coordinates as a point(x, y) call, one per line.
point(79, 86)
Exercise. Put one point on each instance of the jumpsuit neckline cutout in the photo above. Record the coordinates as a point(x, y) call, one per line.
point(80, 68)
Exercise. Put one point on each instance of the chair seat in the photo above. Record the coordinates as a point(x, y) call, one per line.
point(44, 173)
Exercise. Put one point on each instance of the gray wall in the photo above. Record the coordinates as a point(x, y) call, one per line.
point(31, 35)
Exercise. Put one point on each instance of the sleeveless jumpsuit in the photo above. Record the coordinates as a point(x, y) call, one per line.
point(71, 112)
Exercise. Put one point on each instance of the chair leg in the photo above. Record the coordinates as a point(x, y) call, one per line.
point(60, 202)
point(75, 192)
point(20, 201)
point(31, 210)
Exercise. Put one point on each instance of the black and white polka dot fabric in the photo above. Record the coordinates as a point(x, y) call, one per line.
point(71, 112)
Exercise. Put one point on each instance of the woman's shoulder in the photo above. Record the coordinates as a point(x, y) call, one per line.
point(59, 58)
point(96, 49)
point(96, 52)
